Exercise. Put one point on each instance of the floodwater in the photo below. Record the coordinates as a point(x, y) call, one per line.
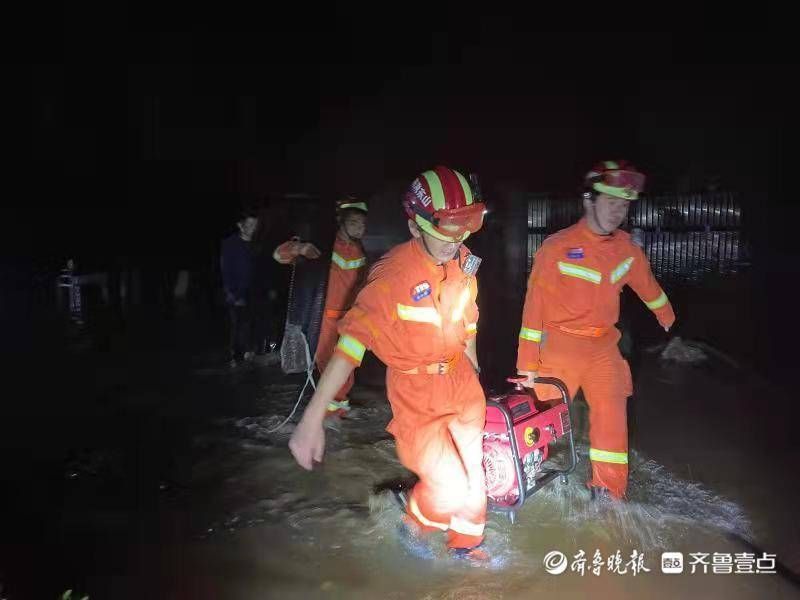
point(192, 493)
point(282, 532)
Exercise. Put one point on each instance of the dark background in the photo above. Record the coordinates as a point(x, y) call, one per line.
point(147, 128)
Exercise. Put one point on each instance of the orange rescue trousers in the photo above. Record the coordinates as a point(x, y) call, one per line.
point(438, 425)
point(596, 366)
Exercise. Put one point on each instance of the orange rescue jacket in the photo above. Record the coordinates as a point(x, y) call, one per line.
point(412, 312)
point(575, 285)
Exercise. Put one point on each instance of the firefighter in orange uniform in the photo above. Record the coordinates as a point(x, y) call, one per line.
point(418, 314)
point(572, 305)
point(347, 273)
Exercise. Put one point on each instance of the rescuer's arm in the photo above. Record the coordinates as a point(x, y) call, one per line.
point(647, 288)
point(307, 443)
point(531, 332)
point(287, 252)
point(471, 315)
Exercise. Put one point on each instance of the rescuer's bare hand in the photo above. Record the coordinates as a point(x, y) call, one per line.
point(307, 443)
point(309, 250)
point(531, 377)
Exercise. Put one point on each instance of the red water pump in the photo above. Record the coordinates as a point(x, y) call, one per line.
point(516, 439)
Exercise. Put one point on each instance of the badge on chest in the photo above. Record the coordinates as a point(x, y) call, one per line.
point(420, 291)
point(575, 253)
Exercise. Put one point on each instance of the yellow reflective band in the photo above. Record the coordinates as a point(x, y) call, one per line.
point(465, 187)
point(420, 314)
point(466, 527)
point(621, 269)
point(618, 458)
point(348, 264)
point(580, 272)
point(472, 327)
point(532, 335)
point(624, 193)
point(358, 205)
point(658, 302)
point(437, 191)
point(352, 347)
point(461, 304)
point(336, 405)
point(412, 506)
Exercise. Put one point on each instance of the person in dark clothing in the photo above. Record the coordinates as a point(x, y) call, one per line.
point(237, 279)
point(270, 281)
point(268, 300)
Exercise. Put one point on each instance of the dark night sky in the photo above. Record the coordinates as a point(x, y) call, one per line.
point(145, 130)
point(132, 133)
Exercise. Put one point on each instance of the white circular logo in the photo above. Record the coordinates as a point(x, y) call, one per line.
point(555, 562)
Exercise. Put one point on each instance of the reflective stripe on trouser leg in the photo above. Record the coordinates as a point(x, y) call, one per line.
point(607, 385)
point(466, 527)
point(617, 458)
point(414, 511)
point(426, 508)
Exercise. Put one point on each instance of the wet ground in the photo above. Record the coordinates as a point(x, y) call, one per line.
point(133, 466)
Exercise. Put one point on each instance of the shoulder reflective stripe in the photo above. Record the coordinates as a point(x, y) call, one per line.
point(621, 269)
point(472, 327)
point(420, 314)
point(352, 347)
point(580, 272)
point(461, 304)
point(658, 302)
point(414, 509)
point(618, 458)
point(466, 527)
point(347, 264)
point(532, 335)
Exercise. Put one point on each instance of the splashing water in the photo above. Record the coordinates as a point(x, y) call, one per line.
point(332, 519)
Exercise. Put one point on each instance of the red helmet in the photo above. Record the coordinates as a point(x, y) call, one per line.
point(441, 203)
point(616, 178)
point(350, 202)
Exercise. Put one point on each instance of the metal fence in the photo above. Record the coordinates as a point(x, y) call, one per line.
point(686, 236)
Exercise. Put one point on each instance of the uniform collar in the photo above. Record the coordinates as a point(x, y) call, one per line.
point(419, 249)
point(586, 232)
